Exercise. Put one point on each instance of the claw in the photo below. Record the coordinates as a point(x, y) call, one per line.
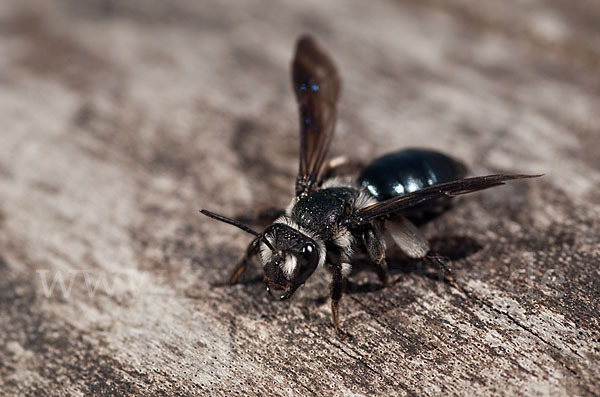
point(342, 334)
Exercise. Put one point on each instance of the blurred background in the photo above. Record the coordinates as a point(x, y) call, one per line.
point(119, 120)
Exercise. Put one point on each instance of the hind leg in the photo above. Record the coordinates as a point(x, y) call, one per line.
point(448, 273)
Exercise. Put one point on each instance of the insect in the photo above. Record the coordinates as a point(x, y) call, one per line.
point(333, 220)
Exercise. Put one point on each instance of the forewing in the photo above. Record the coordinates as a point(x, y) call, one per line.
point(317, 87)
point(403, 204)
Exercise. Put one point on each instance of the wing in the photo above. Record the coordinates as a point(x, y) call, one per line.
point(407, 237)
point(407, 201)
point(317, 87)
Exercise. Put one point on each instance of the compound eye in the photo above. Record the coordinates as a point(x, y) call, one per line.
point(308, 248)
point(308, 259)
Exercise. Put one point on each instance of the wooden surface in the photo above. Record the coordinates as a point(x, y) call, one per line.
point(119, 120)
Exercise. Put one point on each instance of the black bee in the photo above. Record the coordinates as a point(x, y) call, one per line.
point(333, 220)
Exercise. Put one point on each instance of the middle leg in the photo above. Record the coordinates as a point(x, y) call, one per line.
point(375, 246)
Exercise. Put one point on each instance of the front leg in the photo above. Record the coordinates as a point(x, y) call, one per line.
point(242, 264)
point(338, 281)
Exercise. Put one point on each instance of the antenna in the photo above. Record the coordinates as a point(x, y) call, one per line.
point(239, 225)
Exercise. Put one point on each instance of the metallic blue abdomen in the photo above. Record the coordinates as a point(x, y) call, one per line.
point(407, 171)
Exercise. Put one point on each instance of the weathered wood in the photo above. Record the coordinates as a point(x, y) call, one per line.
point(119, 120)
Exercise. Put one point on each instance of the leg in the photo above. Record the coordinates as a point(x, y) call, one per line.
point(437, 260)
point(448, 273)
point(373, 242)
point(241, 266)
point(337, 287)
point(383, 272)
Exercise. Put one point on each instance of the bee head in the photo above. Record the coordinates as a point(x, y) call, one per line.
point(289, 254)
point(291, 259)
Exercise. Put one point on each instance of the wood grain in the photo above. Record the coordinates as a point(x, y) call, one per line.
point(120, 120)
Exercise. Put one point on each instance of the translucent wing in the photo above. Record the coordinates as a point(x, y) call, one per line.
point(317, 87)
point(407, 237)
point(407, 201)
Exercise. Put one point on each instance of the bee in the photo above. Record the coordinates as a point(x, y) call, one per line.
point(333, 220)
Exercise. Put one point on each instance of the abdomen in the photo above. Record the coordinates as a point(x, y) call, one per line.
point(407, 171)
